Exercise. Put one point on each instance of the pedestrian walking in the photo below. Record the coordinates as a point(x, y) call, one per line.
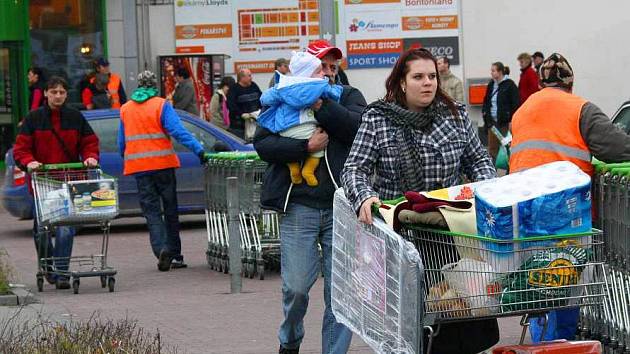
point(55, 134)
point(114, 85)
point(450, 83)
point(244, 103)
point(184, 96)
point(578, 130)
point(281, 65)
point(218, 103)
point(307, 211)
point(499, 104)
point(147, 122)
point(538, 59)
point(96, 95)
point(36, 88)
point(528, 82)
point(416, 121)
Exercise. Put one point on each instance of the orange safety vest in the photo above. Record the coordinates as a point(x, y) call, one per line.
point(113, 86)
point(546, 128)
point(147, 145)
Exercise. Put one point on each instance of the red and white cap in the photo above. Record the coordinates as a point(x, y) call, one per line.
point(321, 47)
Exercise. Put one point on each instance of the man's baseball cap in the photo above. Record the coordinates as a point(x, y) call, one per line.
point(321, 47)
point(101, 62)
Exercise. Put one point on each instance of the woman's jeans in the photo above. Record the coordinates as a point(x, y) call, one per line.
point(157, 191)
point(61, 248)
point(301, 230)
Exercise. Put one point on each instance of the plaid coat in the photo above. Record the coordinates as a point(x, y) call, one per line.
point(448, 147)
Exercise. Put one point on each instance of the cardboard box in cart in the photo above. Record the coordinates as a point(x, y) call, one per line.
point(93, 196)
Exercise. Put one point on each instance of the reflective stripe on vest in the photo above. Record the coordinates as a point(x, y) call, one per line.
point(145, 137)
point(142, 155)
point(554, 147)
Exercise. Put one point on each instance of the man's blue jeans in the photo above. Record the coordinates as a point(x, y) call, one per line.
point(157, 192)
point(301, 230)
point(62, 247)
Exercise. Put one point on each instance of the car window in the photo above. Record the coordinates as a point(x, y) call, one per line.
point(623, 119)
point(107, 132)
point(206, 138)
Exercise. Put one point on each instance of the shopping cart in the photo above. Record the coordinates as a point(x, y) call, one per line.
point(72, 195)
point(611, 199)
point(388, 286)
point(259, 231)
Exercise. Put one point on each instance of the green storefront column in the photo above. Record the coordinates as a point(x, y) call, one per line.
point(14, 34)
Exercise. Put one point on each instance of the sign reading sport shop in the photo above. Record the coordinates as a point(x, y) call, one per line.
point(375, 32)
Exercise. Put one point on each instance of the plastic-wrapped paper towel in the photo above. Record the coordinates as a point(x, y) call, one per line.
point(551, 199)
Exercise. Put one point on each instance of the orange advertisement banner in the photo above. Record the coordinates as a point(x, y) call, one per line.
point(219, 30)
point(255, 66)
point(190, 49)
point(359, 2)
point(420, 23)
point(374, 46)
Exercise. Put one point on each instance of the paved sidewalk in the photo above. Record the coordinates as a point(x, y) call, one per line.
point(191, 307)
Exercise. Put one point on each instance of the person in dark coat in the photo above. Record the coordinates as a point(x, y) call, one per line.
point(184, 96)
point(243, 101)
point(501, 101)
point(36, 88)
point(307, 211)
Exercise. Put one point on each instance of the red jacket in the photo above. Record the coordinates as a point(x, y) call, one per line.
point(36, 141)
point(528, 83)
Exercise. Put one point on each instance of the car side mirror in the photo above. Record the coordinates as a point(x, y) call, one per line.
point(220, 146)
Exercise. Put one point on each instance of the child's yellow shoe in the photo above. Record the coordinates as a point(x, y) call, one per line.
point(296, 174)
point(308, 171)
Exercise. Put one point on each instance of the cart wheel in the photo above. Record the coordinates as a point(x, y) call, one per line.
point(40, 283)
point(75, 285)
point(111, 283)
point(103, 281)
point(261, 271)
point(252, 270)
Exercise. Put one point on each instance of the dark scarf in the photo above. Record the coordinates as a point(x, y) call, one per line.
point(409, 125)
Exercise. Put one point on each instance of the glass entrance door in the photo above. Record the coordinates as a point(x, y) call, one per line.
point(10, 110)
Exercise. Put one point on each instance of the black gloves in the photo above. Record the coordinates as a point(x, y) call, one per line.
point(203, 157)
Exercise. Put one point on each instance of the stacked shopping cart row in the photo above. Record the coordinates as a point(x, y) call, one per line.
point(611, 200)
point(258, 228)
point(387, 286)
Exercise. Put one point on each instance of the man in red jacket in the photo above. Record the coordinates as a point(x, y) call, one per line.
point(528, 83)
point(52, 134)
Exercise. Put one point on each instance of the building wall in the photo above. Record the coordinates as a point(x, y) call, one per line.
point(122, 40)
point(591, 36)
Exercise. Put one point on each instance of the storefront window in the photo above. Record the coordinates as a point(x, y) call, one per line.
point(66, 37)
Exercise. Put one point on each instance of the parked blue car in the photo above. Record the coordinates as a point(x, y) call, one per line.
point(190, 191)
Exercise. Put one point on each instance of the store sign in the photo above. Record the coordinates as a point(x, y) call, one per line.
point(190, 3)
point(361, 2)
point(373, 53)
point(421, 23)
point(364, 25)
point(430, 4)
point(438, 46)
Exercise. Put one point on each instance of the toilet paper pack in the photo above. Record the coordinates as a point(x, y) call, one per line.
point(551, 199)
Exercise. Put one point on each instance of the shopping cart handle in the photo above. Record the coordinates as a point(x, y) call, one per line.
point(63, 166)
point(609, 167)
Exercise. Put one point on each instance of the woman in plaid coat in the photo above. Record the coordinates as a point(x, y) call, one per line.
point(418, 139)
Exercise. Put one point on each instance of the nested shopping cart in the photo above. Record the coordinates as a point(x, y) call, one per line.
point(393, 289)
point(72, 195)
point(259, 231)
point(610, 324)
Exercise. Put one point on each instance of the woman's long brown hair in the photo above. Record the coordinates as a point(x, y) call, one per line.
point(399, 72)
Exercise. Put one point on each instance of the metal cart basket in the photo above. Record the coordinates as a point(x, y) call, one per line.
point(464, 277)
point(71, 195)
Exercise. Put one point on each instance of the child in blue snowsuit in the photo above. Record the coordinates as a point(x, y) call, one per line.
point(288, 110)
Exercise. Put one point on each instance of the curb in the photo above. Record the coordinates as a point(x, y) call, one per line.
point(21, 296)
